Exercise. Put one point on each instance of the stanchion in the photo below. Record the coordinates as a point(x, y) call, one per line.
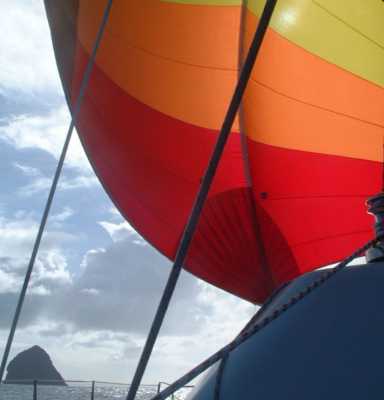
point(35, 389)
point(93, 390)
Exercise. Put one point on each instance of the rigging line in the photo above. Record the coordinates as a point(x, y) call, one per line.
point(264, 263)
point(243, 136)
point(201, 196)
point(76, 110)
point(251, 330)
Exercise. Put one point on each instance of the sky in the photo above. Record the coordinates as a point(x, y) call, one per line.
point(96, 282)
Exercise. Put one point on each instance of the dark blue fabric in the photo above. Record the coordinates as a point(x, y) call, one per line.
point(329, 346)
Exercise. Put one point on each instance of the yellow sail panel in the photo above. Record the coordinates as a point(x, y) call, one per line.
point(331, 34)
point(320, 107)
point(363, 17)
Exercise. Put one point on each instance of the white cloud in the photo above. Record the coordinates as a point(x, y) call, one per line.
point(101, 318)
point(78, 182)
point(38, 185)
point(90, 291)
point(26, 170)
point(8, 282)
point(46, 133)
point(115, 213)
point(123, 284)
point(121, 231)
point(29, 76)
point(50, 271)
point(27, 63)
point(42, 184)
point(52, 267)
point(62, 216)
point(127, 279)
point(17, 238)
point(176, 355)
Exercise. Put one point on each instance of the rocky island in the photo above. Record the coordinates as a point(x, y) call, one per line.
point(33, 364)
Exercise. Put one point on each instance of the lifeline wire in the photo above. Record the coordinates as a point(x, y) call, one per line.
point(83, 87)
point(201, 197)
point(247, 333)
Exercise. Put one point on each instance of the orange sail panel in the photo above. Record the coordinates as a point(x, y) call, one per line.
point(312, 121)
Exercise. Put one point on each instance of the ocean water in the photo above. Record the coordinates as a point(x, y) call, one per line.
point(73, 392)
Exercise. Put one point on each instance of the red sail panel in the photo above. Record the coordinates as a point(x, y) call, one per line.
point(159, 90)
point(315, 136)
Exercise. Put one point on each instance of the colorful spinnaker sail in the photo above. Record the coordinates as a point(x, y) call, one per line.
point(288, 198)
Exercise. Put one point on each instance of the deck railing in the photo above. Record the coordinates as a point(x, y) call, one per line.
point(81, 383)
